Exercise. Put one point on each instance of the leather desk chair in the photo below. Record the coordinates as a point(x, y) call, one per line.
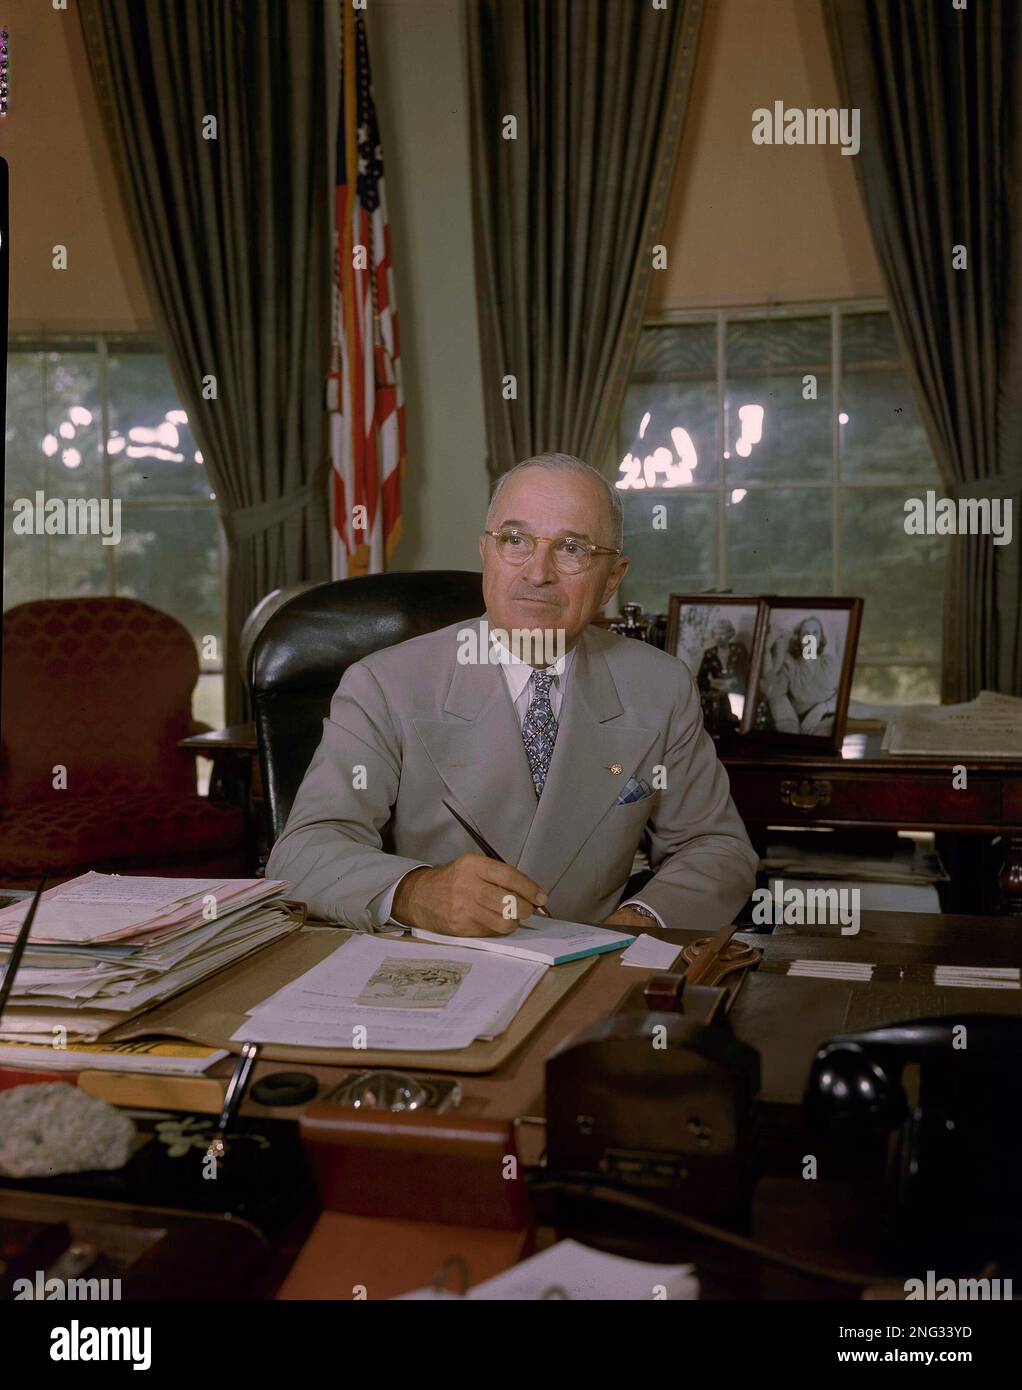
point(306, 646)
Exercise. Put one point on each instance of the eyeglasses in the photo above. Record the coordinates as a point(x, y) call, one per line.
point(570, 555)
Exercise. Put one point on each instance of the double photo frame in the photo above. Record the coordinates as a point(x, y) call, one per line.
point(771, 669)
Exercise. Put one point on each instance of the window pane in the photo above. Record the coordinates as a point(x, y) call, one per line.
point(668, 435)
point(778, 343)
point(680, 559)
point(53, 425)
point(869, 338)
point(208, 700)
point(881, 435)
point(53, 566)
point(170, 557)
point(900, 577)
point(24, 564)
point(26, 424)
point(896, 685)
point(771, 432)
point(675, 349)
point(207, 708)
point(780, 542)
point(153, 453)
point(783, 437)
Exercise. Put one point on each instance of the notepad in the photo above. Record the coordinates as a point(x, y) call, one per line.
point(651, 953)
point(549, 941)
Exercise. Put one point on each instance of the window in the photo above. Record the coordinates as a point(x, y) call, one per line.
point(99, 418)
point(782, 444)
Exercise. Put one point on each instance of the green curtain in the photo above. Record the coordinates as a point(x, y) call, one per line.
point(567, 214)
point(233, 236)
point(939, 90)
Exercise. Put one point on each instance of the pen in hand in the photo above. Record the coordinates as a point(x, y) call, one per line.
point(490, 853)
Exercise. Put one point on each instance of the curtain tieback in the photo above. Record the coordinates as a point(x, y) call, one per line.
point(245, 522)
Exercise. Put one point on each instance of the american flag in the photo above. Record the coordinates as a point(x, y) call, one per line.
point(367, 420)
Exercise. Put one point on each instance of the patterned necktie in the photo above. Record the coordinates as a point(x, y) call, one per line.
point(540, 729)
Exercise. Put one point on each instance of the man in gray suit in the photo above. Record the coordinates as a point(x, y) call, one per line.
point(562, 745)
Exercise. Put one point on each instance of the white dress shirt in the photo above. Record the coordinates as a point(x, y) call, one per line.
point(518, 675)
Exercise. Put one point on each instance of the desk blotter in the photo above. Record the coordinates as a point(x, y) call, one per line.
point(212, 1011)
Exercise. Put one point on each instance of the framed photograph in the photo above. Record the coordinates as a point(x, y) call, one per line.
point(715, 636)
point(802, 672)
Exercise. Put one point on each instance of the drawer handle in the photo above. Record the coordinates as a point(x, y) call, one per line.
point(806, 795)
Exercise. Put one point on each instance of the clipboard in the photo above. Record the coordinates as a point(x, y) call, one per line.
point(210, 1012)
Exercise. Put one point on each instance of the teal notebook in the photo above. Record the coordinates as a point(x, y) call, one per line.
point(542, 939)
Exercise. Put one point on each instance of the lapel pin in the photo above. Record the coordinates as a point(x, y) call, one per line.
point(616, 769)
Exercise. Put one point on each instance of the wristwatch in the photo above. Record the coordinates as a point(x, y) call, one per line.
point(642, 911)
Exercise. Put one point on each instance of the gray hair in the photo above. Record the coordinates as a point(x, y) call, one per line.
point(567, 463)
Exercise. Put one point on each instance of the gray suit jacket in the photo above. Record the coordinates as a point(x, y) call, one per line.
point(410, 726)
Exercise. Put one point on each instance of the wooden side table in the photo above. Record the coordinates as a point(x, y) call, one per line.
point(235, 777)
point(864, 788)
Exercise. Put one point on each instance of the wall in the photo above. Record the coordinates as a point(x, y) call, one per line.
point(753, 224)
point(63, 187)
point(418, 57)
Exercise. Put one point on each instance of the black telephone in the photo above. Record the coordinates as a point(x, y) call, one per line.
point(955, 1153)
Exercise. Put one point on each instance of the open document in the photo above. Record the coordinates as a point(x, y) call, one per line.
point(381, 994)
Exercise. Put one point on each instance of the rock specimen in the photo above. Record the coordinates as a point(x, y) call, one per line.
point(56, 1128)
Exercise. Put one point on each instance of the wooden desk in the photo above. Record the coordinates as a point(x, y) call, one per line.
point(834, 1224)
point(865, 788)
point(515, 1090)
point(818, 1221)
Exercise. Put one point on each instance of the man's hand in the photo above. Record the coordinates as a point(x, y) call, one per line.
point(628, 917)
point(467, 897)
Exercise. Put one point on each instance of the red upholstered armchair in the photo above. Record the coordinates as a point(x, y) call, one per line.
point(96, 694)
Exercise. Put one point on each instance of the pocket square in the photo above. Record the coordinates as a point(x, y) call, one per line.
point(635, 789)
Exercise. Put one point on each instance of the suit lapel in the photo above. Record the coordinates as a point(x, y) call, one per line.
point(593, 736)
point(477, 750)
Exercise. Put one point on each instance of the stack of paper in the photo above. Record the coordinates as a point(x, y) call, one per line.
point(990, 726)
point(903, 880)
point(104, 947)
point(376, 994)
point(828, 854)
